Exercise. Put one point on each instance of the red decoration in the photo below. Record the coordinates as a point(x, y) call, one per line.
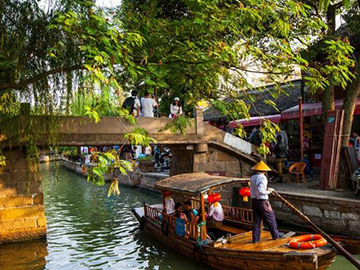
point(216, 197)
point(245, 192)
point(167, 193)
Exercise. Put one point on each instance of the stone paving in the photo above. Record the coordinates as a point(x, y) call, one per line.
point(312, 188)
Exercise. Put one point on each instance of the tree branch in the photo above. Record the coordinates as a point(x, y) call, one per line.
point(38, 77)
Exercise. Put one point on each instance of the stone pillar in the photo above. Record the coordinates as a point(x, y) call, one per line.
point(199, 122)
point(21, 199)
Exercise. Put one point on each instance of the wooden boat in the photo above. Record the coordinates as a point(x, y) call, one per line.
point(236, 251)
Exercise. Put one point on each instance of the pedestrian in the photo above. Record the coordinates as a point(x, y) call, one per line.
point(175, 108)
point(260, 202)
point(148, 104)
point(280, 156)
point(132, 104)
point(255, 136)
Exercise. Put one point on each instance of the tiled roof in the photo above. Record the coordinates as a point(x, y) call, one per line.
point(283, 101)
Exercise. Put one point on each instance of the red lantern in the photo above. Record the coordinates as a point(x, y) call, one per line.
point(245, 192)
point(210, 198)
point(216, 197)
point(167, 193)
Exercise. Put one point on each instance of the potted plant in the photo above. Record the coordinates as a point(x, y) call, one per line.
point(146, 163)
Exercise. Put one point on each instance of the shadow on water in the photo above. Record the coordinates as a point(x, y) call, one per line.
point(88, 230)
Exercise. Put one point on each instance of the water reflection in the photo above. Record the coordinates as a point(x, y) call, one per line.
point(87, 230)
point(23, 255)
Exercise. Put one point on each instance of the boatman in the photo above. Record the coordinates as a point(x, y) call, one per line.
point(260, 202)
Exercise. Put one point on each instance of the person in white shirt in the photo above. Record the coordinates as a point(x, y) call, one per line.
point(175, 108)
point(148, 104)
point(215, 215)
point(260, 202)
point(169, 205)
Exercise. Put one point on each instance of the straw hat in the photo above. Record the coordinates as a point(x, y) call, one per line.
point(261, 166)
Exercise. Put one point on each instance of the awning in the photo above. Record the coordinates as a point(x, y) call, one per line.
point(312, 109)
point(255, 121)
point(195, 183)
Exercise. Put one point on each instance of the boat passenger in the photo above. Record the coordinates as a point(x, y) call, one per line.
point(169, 205)
point(215, 216)
point(260, 202)
point(191, 214)
point(179, 211)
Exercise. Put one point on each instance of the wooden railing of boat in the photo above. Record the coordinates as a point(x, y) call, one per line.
point(191, 230)
point(231, 213)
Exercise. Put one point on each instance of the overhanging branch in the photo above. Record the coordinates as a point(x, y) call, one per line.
point(38, 77)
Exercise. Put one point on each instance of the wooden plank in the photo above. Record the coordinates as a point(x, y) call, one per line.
point(230, 229)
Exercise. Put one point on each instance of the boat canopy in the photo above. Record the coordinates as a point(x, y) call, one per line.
point(195, 183)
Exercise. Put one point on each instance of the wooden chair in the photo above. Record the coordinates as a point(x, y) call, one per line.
point(298, 170)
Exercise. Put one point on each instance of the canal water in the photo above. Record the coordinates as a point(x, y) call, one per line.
point(88, 230)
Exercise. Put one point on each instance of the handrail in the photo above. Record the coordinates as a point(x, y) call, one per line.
point(191, 230)
point(243, 215)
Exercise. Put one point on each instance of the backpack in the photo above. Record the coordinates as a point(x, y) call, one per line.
point(129, 104)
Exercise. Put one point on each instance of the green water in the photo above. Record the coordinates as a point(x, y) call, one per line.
point(87, 230)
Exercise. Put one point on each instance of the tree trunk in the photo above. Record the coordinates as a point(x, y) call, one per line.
point(328, 101)
point(349, 106)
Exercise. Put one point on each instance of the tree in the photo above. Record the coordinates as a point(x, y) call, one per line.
point(201, 49)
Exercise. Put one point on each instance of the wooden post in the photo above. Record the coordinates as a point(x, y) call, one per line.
point(301, 131)
point(203, 228)
point(163, 203)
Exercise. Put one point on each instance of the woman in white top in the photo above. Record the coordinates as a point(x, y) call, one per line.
point(175, 108)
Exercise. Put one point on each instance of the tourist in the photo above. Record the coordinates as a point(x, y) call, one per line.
point(255, 136)
point(191, 214)
point(260, 202)
point(280, 156)
point(169, 204)
point(179, 211)
point(148, 104)
point(132, 104)
point(175, 108)
point(215, 215)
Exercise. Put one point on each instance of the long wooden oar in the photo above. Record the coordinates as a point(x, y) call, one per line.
point(343, 252)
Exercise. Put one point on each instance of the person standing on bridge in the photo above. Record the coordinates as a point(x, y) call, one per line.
point(132, 104)
point(175, 108)
point(148, 104)
point(260, 202)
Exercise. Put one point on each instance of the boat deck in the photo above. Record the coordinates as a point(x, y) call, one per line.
point(244, 242)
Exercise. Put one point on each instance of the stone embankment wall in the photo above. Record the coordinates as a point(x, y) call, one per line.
point(214, 161)
point(21, 199)
point(134, 179)
point(334, 215)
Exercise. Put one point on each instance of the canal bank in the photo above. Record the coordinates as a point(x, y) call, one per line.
point(334, 212)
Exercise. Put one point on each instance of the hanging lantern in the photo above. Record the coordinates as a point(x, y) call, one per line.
point(245, 193)
point(167, 193)
point(216, 197)
point(210, 198)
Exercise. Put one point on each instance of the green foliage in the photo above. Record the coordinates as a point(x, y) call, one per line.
point(146, 159)
point(139, 136)
point(106, 163)
point(268, 132)
point(92, 113)
point(178, 124)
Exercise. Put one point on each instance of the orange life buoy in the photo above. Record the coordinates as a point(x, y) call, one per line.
point(307, 241)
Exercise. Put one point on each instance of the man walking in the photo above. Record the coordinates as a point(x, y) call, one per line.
point(260, 202)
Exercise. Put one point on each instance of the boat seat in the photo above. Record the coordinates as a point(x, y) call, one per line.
point(230, 229)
